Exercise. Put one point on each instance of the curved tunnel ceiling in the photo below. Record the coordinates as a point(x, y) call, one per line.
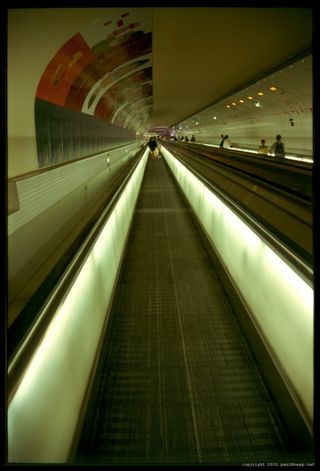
point(105, 70)
point(141, 68)
point(287, 93)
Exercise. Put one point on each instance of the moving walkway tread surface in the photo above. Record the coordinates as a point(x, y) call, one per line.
point(179, 384)
point(291, 176)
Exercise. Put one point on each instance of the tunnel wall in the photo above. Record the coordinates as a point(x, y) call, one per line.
point(42, 30)
point(64, 134)
point(51, 204)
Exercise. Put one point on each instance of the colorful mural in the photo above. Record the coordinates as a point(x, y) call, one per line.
point(104, 71)
point(96, 71)
point(63, 69)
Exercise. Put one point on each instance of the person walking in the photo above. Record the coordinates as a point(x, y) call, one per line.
point(152, 144)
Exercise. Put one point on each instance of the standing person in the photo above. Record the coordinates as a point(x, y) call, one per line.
point(193, 139)
point(152, 144)
point(222, 140)
point(263, 149)
point(277, 147)
point(186, 139)
point(226, 142)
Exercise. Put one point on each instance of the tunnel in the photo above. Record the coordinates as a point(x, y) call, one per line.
point(160, 305)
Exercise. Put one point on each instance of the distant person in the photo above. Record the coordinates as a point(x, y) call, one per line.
point(277, 147)
point(221, 141)
point(193, 139)
point(263, 149)
point(152, 144)
point(186, 139)
point(226, 142)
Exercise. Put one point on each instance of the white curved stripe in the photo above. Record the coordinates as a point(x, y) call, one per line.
point(91, 109)
point(125, 104)
point(129, 117)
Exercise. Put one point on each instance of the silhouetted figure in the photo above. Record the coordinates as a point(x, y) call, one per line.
point(152, 144)
point(226, 143)
point(263, 149)
point(193, 139)
point(277, 147)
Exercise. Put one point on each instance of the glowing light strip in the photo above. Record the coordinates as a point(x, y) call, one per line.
point(280, 301)
point(242, 149)
point(44, 412)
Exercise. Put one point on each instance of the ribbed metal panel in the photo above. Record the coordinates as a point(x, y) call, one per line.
point(39, 192)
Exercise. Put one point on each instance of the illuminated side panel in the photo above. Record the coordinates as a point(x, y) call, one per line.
point(280, 301)
point(44, 412)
